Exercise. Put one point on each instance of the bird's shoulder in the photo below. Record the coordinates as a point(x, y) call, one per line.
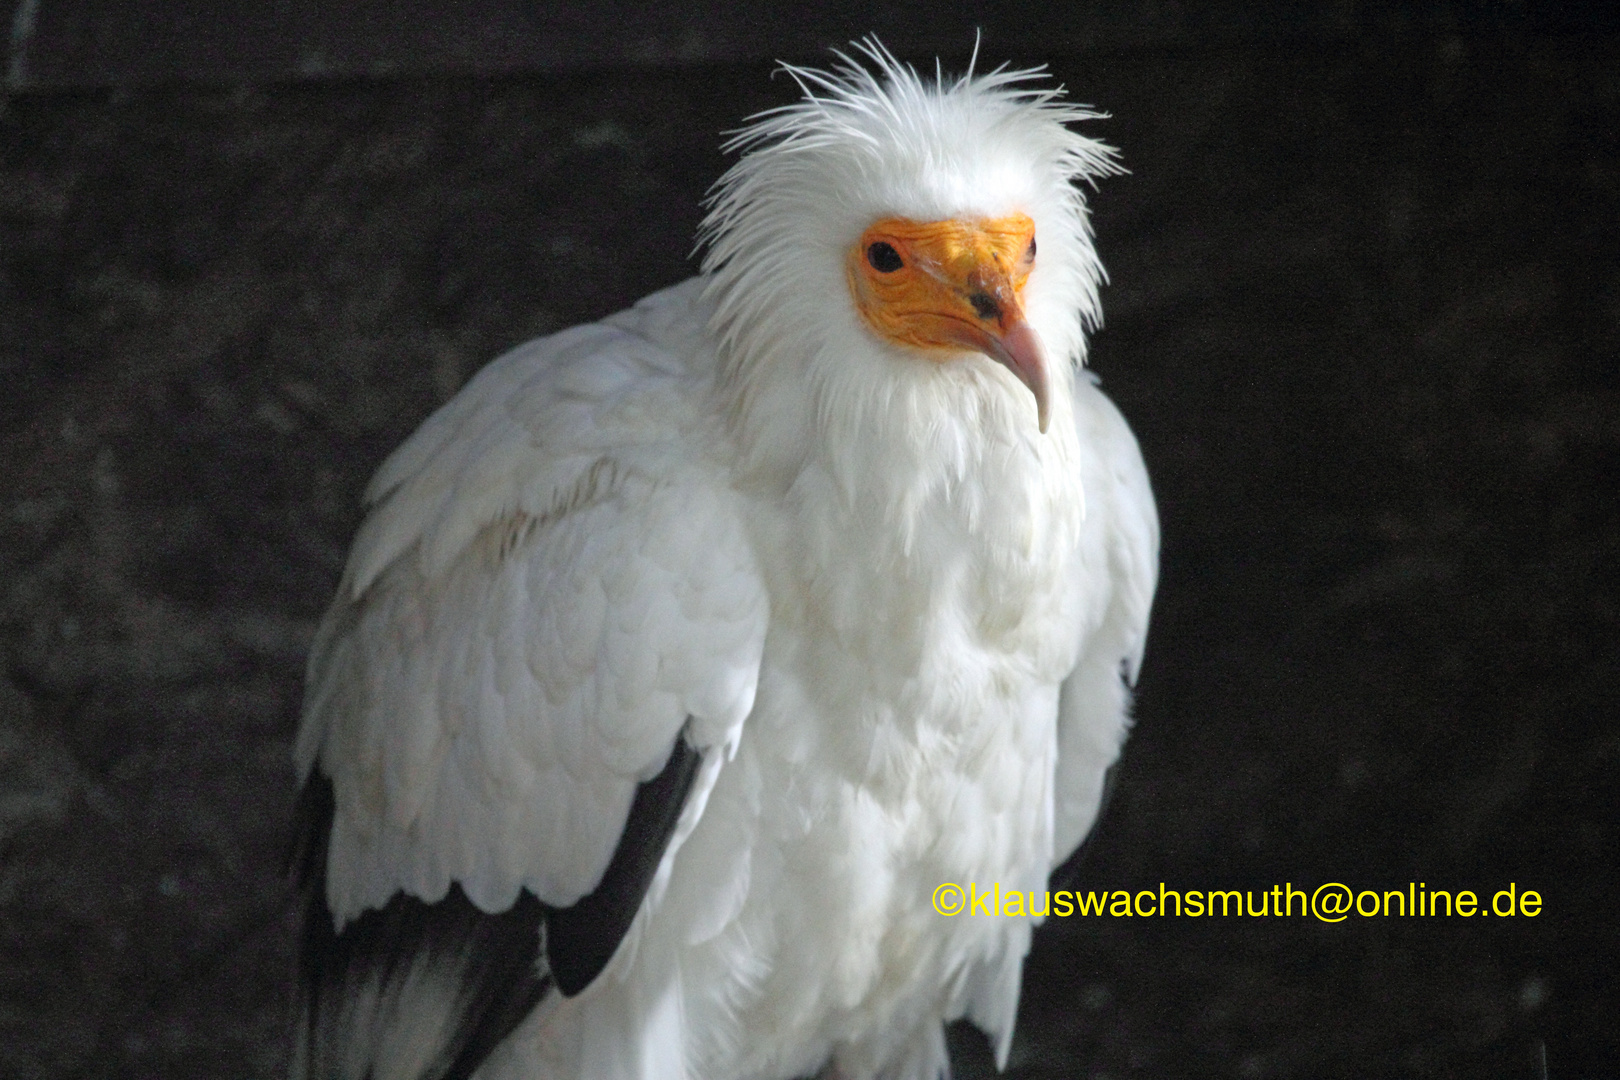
point(1120, 507)
point(547, 428)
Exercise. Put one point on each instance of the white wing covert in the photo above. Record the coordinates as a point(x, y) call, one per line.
point(1094, 706)
point(553, 583)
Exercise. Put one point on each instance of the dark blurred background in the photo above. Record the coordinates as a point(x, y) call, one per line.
point(1364, 317)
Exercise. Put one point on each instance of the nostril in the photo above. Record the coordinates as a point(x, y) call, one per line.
point(984, 305)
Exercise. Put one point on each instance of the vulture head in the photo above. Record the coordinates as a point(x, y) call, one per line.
point(906, 248)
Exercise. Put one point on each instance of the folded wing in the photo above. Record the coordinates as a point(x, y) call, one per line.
point(546, 641)
point(1094, 708)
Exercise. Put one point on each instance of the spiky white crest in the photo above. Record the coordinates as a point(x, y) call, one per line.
point(876, 139)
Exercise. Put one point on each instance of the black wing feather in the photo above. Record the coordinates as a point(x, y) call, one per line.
point(405, 961)
point(409, 953)
point(581, 939)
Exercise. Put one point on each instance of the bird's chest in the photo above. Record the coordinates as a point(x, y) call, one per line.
point(933, 579)
point(895, 784)
point(915, 650)
point(905, 731)
point(883, 786)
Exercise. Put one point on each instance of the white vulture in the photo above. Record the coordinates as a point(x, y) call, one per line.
point(683, 655)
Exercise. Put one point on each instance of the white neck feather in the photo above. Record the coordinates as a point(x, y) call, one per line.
point(879, 449)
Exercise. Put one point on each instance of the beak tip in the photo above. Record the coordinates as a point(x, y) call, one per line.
point(1020, 350)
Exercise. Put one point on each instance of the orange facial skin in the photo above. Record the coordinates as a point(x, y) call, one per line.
point(944, 287)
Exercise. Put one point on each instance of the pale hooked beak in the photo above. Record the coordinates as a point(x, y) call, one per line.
point(1020, 349)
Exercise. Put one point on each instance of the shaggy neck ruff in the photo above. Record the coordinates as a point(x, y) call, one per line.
point(897, 433)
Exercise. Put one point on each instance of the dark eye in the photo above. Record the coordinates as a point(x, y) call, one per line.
point(1030, 254)
point(883, 257)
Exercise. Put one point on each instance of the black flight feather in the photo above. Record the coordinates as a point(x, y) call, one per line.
point(581, 939)
point(405, 962)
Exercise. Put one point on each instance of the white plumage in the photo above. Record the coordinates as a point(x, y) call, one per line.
point(751, 517)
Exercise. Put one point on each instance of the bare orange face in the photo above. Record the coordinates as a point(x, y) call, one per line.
point(944, 287)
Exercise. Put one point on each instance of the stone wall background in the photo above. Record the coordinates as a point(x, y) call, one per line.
point(84, 43)
point(1364, 316)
